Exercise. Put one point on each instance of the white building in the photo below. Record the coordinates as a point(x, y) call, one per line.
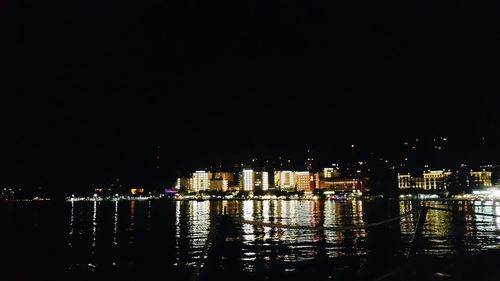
point(265, 181)
point(247, 180)
point(200, 181)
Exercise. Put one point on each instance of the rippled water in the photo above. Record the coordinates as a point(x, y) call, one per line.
point(152, 240)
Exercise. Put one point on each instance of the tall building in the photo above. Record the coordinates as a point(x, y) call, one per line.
point(251, 180)
point(302, 181)
point(316, 181)
point(200, 181)
point(247, 180)
point(265, 181)
point(261, 180)
point(284, 180)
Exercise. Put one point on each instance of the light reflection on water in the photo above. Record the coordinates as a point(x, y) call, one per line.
point(115, 224)
point(444, 233)
point(447, 233)
point(71, 226)
point(131, 226)
point(94, 225)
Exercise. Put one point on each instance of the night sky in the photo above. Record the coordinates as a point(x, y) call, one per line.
point(91, 88)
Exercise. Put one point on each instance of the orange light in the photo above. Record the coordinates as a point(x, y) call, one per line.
point(135, 191)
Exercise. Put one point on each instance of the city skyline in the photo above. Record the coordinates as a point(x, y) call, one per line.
point(408, 156)
point(88, 102)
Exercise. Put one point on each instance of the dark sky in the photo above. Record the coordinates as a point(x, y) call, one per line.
point(90, 88)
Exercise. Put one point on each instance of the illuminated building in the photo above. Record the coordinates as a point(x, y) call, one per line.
point(218, 185)
point(228, 176)
point(327, 173)
point(247, 180)
point(184, 183)
point(418, 183)
point(261, 180)
point(404, 181)
point(481, 178)
point(316, 183)
point(344, 184)
point(302, 181)
point(331, 172)
point(200, 181)
point(436, 180)
point(431, 180)
point(251, 180)
point(284, 180)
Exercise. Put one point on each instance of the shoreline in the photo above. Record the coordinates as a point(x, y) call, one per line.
point(365, 199)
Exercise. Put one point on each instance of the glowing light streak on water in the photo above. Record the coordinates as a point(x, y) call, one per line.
point(444, 233)
point(115, 224)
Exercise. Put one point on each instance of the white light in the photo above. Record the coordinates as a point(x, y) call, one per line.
point(247, 180)
point(495, 193)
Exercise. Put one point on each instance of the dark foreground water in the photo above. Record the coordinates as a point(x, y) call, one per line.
point(162, 240)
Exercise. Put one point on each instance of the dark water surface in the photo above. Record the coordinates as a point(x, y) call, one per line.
point(162, 240)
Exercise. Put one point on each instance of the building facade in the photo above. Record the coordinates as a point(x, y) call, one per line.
point(302, 181)
point(284, 180)
point(344, 184)
point(404, 181)
point(481, 179)
point(436, 180)
point(218, 185)
point(247, 180)
point(261, 181)
point(200, 181)
point(331, 172)
point(228, 176)
point(184, 183)
point(251, 181)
